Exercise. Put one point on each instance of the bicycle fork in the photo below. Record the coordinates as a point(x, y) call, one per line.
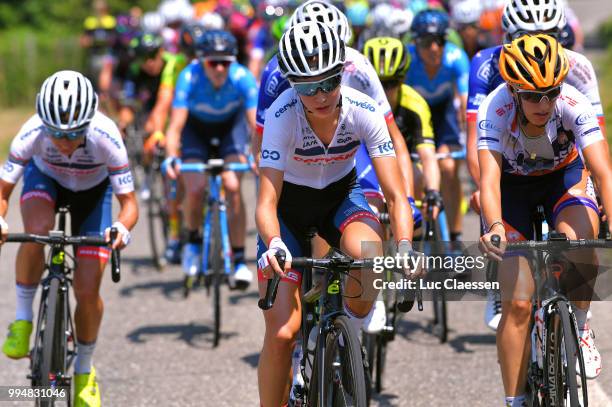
point(216, 205)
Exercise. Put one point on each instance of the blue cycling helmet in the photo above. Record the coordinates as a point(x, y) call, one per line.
point(191, 34)
point(357, 13)
point(216, 43)
point(567, 38)
point(430, 22)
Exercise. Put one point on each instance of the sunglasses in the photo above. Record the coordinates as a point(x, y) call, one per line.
point(534, 96)
point(311, 88)
point(390, 84)
point(427, 41)
point(214, 63)
point(70, 135)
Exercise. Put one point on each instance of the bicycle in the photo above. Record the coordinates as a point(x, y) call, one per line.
point(54, 348)
point(551, 375)
point(336, 376)
point(215, 242)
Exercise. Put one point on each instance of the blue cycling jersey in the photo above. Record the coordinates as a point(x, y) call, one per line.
point(195, 92)
point(454, 72)
point(272, 85)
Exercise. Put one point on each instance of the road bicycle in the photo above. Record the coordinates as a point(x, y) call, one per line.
point(54, 348)
point(334, 371)
point(216, 263)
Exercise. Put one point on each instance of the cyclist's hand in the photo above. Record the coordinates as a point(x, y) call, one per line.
point(123, 236)
point(268, 264)
point(157, 138)
point(488, 248)
point(475, 201)
point(414, 263)
point(3, 229)
point(172, 166)
point(432, 197)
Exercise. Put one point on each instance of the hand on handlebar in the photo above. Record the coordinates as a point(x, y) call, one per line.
point(433, 198)
point(123, 236)
point(172, 166)
point(3, 229)
point(487, 245)
point(268, 263)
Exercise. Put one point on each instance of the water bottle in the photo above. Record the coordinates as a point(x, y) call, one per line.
point(310, 351)
point(296, 395)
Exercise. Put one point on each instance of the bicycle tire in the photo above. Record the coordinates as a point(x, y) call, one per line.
point(381, 355)
point(157, 218)
point(369, 342)
point(335, 384)
point(560, 374)
point(440, 328)
point(216, 272)
point(53, 355)
point(37, 349)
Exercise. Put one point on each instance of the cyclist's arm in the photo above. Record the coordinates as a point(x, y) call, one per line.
point(128, 212)
point(598, 161)
point(401, 152)
point(429, 162)
point(490, 190)
point(6, 188)
point(472, 151)
point(178, 118)
point(389, 177)
point(270, 186)
point(159, 114)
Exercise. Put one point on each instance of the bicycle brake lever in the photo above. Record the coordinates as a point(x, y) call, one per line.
point(272, 285)
point(115, 257)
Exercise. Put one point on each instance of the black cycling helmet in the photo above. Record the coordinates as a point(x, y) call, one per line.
point(146, 45)
point(216, 43)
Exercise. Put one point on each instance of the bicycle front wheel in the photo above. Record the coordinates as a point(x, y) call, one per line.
point(157, 217)
point(343, 383)
point(560, 359)
point(216, 272)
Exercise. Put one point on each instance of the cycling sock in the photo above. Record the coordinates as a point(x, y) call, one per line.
point(455, 236)
point(25, 300)
point(85, 351)
point(516, 401)
point(238, 255)
point(581, 317)
point(355, 320)
point(194, 236)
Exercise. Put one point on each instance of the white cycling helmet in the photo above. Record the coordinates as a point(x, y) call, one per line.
point(466, 11)
point(173, 11)
point(399, 21)
point(323, 12)
point(533, 15)
point(152, 22)
point(66, 101)
point(380, 14)
point(310, 49)
point(212, 21)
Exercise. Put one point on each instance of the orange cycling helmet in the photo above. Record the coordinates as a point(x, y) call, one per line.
point(533, 62)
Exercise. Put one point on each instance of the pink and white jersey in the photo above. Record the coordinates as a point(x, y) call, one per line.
point(572, 124)
point(101, 155)
point(290, 145)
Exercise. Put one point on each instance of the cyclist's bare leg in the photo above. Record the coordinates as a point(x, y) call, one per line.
point(451, 190)
point(39, 218)
point(356, 233)
point(194, 185)
point(580, 222)
point(513, 345)
point(89, 304)
point(282, 326)
point(236, 215)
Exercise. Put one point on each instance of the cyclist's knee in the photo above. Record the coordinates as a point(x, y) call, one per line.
point(519, 311)
point(231, 183)
point(447, 167)
point(282, 339)
point(38, 224)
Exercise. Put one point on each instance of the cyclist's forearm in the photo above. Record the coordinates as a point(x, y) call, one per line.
point(159, 114)
point(403, 158)
point(6, 189)
point(472, 152)
point(128, 214)
point(431, 170)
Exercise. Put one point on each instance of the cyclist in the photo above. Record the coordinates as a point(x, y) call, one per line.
point(465, 15)
point(308, 179)
point(530, 131)
point(485, 77)
point(215, 100)
point(391, 61)
point(438, 71)
point(69, 154)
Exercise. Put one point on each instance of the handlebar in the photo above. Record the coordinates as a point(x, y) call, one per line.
point(57, 238)
point(210, 165)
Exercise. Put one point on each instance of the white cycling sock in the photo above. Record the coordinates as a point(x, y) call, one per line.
point(355, 320)
point(516, 401)
point(25, 299)
point(581, 317)
point(85, 351)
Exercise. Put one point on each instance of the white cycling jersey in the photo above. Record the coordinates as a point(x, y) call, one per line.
point(581, 75)
point(290, 145)
point(101, 155)
point(572, 123)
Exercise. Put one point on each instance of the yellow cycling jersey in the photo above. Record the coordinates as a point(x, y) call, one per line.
point(413, 118)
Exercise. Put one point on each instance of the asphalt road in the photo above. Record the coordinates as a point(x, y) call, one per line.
point(155, 347)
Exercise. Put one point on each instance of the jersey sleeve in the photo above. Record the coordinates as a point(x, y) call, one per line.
point(117, 162)
point(22, 150)
point(580, 116)
point(183, 89)
point(375, 134)
point(478, 85)
point(277, 135)
point(272, 85)
point(491, 124)
point(247, 85)
point(424, 134)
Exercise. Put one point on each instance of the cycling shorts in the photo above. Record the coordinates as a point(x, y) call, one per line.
point(328, 210)
point(446, 124)
point(203, 140)
point(366, 176)
point(555, 191)
point(90, 209)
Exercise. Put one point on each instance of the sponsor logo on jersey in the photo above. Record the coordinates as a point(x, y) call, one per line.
point(29, 133)
point(584, 118)
point(309, 141)
point(284, 108)
point(477, 99)
point(363, 105)
point(488, 125)
point(385, 147)
point(343, 140)
point(108, 136)
point(272, 86)
point(324, 159)
point(270, 154)
point(484, 72)
point(125, 179)
point(8, 167)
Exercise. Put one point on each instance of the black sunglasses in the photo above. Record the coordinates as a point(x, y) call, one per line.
point(214, 63)
point(427, 41)
point(535, 96)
